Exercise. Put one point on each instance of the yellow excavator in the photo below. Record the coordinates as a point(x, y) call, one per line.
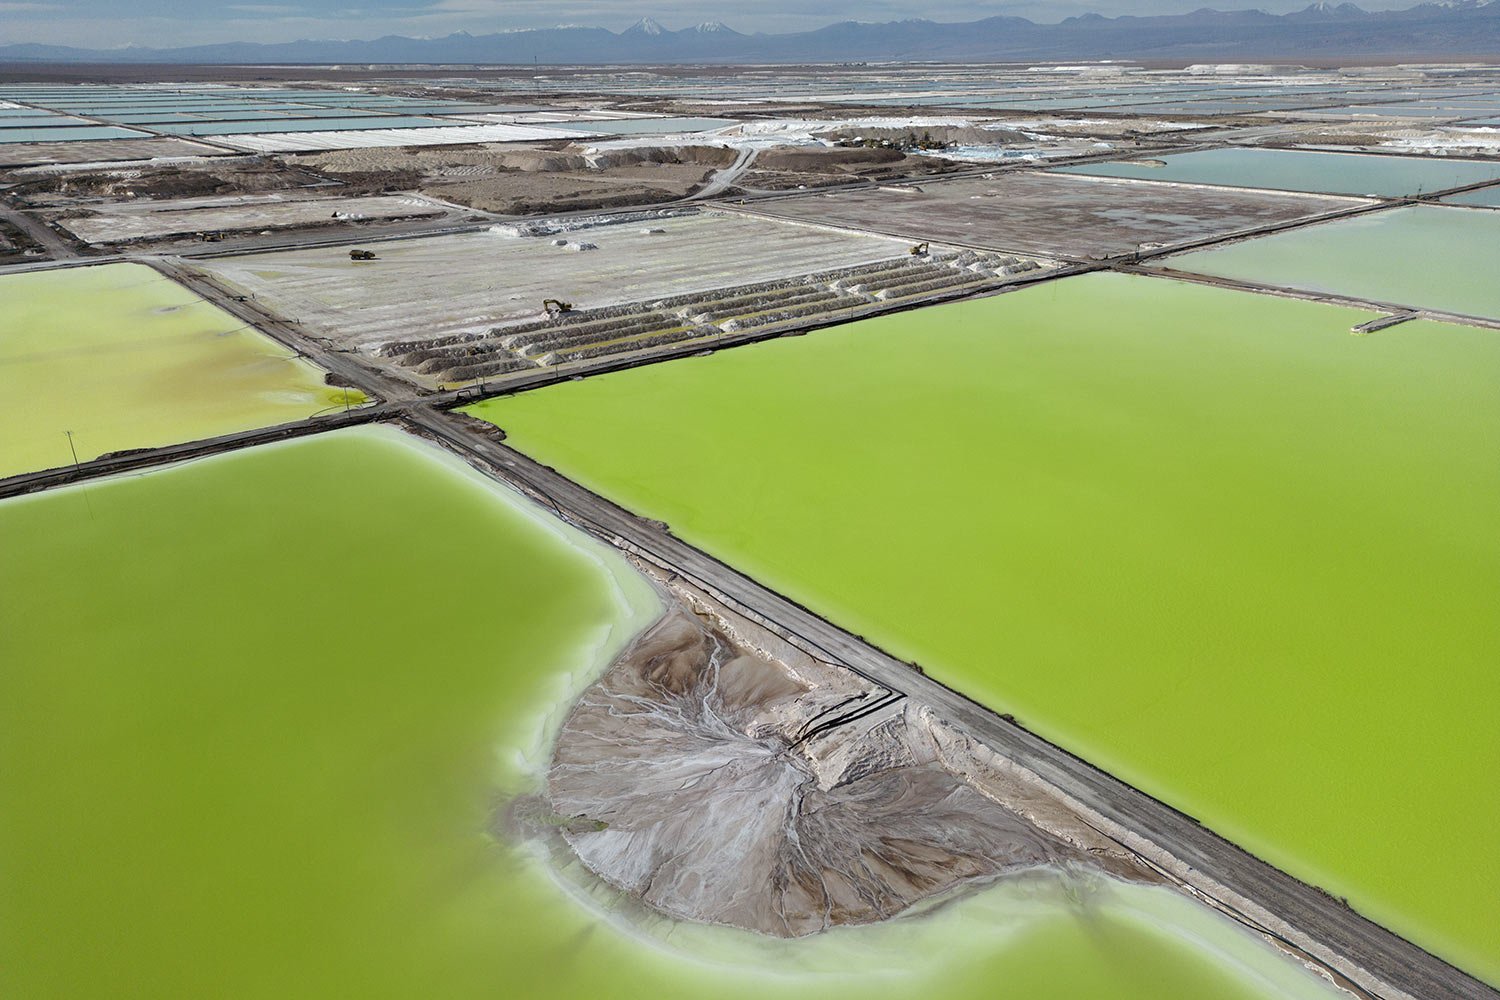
point(919, 250)
point(556, 307)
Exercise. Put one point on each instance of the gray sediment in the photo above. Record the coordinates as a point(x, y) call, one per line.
point(719, 774)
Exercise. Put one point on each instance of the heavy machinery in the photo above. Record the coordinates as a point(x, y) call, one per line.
point(920, 250)
point(362, 255)
point(556, 307)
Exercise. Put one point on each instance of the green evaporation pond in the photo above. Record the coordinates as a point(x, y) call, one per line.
point(1427, 256)
point(65, 134)
point(8, 121)
point(257, 712)
point(125, 358)
point(301, 125)
point(1488, 197)
point(1206, 539)
point(1298, 170)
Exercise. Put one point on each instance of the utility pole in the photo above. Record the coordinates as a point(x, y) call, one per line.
point(77, 465)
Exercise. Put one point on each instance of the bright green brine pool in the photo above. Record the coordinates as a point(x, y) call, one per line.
point(1209, 540)
point(125, 358)
point(257, 713)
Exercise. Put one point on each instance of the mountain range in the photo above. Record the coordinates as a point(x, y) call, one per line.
point(1323, 30)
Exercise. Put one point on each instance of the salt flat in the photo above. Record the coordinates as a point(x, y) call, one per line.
point(120, 222)
point(470, 282)
point(1055, 214)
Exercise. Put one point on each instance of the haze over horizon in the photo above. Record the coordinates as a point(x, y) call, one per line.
point(164, 23)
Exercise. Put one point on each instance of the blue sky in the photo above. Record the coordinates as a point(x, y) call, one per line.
point(111, 23)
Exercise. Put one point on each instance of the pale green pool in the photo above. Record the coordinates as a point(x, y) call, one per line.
point(1301, 170)
point(1206, 539)
point(125, 358)
point(255, 714)
point(1425, 256)
point(1488, 197)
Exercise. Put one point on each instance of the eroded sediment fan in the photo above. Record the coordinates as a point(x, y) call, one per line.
point(711, 782)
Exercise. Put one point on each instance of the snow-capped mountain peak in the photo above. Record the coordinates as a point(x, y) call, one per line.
point(1326, 9)
point(646, 26)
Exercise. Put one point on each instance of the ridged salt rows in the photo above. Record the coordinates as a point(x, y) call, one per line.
point(729, 306)
point(600, 331)
point(632, 344)
point(636, 326)
point(930, 282)
point(495, 364)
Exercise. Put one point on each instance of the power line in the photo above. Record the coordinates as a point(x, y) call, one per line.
point(83, 484)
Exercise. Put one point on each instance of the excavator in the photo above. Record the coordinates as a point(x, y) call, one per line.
point(362, 255)
point(556, 307)
point(919, 250)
